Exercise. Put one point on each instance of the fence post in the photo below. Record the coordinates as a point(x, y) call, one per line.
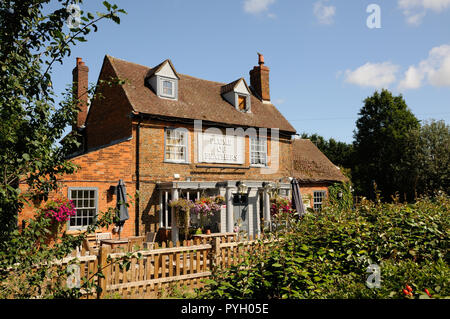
point(215, 252)
point(105, 250)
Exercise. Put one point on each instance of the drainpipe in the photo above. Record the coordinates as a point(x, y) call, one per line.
point(137, 205)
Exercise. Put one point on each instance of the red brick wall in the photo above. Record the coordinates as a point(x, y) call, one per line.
point(101, 169)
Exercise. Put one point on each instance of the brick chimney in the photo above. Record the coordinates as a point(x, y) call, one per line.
point(80, 88)
point(259, 79)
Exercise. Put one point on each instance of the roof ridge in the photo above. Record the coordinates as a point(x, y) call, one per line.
point(146, 66)
point(151, 68)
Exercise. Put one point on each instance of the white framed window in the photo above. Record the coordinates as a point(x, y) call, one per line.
point(168, 88)
point(176, 145)
point(319, 196)
point(85, 200)
point(258, 151)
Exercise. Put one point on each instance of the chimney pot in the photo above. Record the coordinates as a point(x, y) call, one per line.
point(259, 79)
point(260, 59)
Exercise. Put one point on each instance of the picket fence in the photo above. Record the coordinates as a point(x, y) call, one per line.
point(157, 272)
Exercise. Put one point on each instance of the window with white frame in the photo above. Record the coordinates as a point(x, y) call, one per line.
point(168, 88)
point(258, 151)
point(85, 201)
point(176, 145)
point(319, 196)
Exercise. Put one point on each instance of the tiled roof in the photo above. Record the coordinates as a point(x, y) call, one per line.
point(311, 165)
point(197, 99)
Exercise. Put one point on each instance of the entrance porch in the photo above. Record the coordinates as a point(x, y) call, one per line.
point(247, 203)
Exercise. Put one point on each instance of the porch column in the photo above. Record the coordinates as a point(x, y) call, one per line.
point(173, 220)
point(266, 203)
point(253, 214)
point(229, 200)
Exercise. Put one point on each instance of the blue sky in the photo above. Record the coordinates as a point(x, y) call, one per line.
point(323, 57)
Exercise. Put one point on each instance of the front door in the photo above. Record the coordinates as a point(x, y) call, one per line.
point(240, 212)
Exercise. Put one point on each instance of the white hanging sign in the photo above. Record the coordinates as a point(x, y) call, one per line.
point(220, 148)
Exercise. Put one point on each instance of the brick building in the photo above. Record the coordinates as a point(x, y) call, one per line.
point(168, 135)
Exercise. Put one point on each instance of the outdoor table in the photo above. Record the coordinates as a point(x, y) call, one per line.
point(115, 243)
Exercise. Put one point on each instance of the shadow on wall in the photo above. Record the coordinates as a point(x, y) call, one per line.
point(150, 214)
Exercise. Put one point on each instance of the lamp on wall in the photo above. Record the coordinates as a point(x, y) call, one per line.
point(242, 188)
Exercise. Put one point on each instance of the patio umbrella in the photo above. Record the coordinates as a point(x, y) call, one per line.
point(297, 202)
point(122, 209)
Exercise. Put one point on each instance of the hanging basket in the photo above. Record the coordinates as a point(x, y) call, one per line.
point(182, 218)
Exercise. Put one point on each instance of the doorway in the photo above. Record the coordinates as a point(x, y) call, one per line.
point(240, 212)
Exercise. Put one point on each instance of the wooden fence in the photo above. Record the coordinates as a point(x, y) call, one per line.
point(155, 273)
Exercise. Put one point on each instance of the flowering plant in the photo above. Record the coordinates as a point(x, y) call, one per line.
point(281, 206)
point(206, 206)
point(59, 210)
point(219, 200)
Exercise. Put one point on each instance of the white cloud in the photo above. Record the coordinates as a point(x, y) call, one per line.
point(325, 14)
point(435, 5)
point(376, 75)
point(415, 10)
point(413, 79)
point(435, 69)
point(257, 6)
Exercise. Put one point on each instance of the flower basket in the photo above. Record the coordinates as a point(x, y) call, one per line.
point(206, 207)
point(57, 213)
point(182, 209)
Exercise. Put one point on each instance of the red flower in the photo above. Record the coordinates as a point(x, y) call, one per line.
point(409, 288)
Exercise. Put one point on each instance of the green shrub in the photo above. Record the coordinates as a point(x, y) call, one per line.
point(327, 255)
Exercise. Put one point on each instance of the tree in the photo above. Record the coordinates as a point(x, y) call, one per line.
point(34, 37)
point(431, 152)
point(32, 40)
point(381, 146)
point(339, 153)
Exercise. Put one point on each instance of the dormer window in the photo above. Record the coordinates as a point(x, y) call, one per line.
point(168, 88)
point(237, 94)
point(163, 79)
